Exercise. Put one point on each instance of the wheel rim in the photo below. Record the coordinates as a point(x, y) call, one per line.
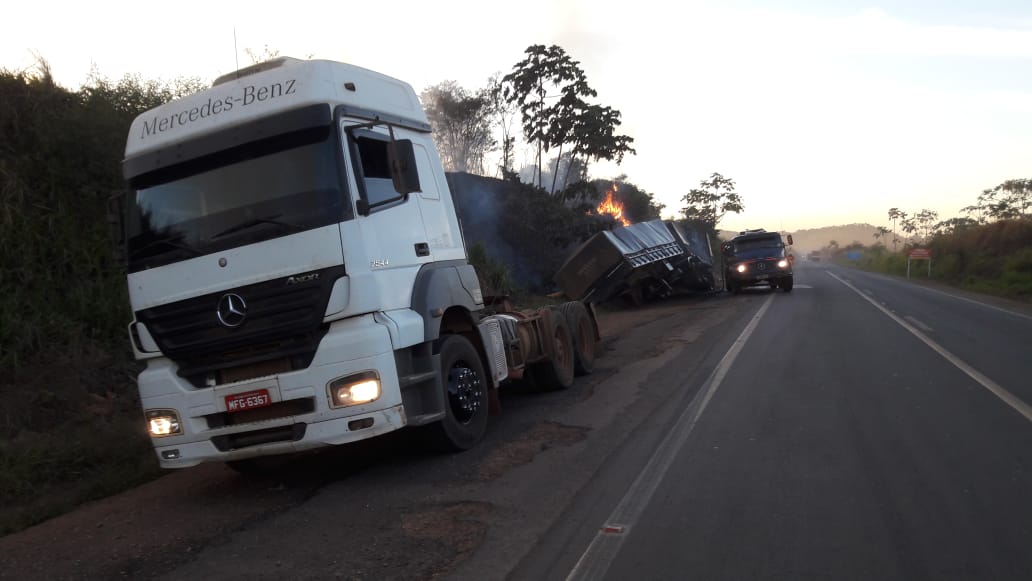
point(463, 392)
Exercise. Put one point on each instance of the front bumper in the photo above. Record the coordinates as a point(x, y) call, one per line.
point(300, 415)
point(757, 271)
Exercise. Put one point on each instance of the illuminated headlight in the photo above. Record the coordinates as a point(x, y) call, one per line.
point(740, 268)
point(161, 423)
point(783, 263)
point(354, 389)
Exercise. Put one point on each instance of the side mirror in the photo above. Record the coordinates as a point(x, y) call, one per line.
point(362, 206)
point(404, 173)
point(789, 239)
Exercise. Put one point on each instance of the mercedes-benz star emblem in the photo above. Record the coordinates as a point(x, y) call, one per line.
point(232, 310)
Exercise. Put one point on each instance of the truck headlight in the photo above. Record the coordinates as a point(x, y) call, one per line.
point(354, 389)
point(161, 423)
point(740, 268)
point(783, 263)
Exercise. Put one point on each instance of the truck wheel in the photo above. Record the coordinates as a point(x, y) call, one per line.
point(557, 372)
point(465, 395)
point(583, 333)
point(786, 284)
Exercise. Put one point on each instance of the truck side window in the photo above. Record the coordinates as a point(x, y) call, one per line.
point(376, 172)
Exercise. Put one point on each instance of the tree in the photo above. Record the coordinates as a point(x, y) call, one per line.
point(894, 214)
point(1017, 195)
point(639, 205)
point(594, 135)
point(714, 198)
point(504, 113)
point(954, 226)
point(1011, 199)
point(267, 54)
point(908, 225)
point(545, 74)
point(461, 123)
point(925, 220)
point(881, 232)
point(550, 90)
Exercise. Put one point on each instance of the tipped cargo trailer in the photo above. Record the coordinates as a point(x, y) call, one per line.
point(298, 277)
point(638, 262)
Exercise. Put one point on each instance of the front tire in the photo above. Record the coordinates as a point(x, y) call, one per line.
point(465, 395)
point(786, 284)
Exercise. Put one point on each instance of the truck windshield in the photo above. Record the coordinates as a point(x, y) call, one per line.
point(757, 244)
point(247, 194)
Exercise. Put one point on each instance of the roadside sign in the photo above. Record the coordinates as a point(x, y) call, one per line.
point(920, 254)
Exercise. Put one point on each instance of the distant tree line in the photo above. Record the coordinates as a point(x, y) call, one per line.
point(1010, 200)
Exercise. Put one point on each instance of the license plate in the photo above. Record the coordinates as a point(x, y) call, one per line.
point(762, 276)
point(248, 400)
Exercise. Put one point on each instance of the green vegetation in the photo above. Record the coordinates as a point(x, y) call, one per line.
point(994, 258)
point(711, 201)
point(70, 427)
point(70, 422)
point(495, 277)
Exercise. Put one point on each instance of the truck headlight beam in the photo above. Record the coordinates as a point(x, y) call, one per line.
point(161, 423)
point(354, 389)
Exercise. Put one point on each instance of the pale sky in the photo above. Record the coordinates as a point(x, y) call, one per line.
point(824, 112)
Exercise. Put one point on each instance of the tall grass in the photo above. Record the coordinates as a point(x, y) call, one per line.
point(993, 258)
point(70, 425)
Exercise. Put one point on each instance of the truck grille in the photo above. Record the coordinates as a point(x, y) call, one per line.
point(282, 320)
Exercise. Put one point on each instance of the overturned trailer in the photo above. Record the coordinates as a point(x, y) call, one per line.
point(639, 262)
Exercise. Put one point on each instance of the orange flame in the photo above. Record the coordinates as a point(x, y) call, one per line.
point(612, 207)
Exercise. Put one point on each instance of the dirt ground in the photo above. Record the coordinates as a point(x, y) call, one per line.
point(415, 532)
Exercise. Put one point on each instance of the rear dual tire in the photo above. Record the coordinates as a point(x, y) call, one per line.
point(558, 370)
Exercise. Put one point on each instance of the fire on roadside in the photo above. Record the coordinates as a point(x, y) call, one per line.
point(611, 207)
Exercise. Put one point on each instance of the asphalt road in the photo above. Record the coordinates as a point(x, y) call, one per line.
point(858, 427)
point(861, 427)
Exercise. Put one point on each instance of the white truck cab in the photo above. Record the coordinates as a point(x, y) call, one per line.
point(296, 271)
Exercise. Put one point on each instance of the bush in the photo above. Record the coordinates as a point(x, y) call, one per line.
point(495, 278)
point(70, 425)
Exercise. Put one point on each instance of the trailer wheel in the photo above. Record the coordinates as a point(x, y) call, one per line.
point(583, 333)
point(557, 372)
point(465, 395)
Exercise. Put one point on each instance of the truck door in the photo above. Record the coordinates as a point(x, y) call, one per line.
point(393, 237)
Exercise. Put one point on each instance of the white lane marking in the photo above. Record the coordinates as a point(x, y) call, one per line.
point(802, 286)
point(996, 389)
point(958, 297)
point(597, 558)
point(913, 321)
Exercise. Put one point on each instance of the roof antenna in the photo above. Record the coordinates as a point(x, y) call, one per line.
point(236, 53)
